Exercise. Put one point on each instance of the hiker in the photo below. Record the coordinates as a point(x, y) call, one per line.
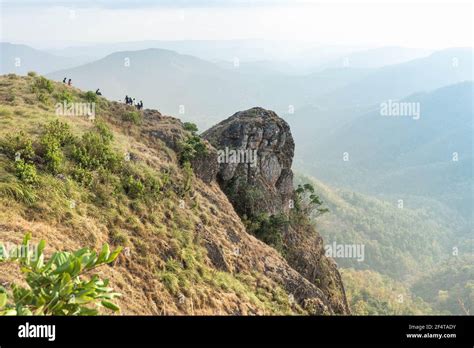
point(69, 83)
point(97, 92)
point(64, 81)
point(140, 105)
point(126, 99)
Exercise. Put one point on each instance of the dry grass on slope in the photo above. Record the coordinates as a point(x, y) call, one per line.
point(186, 250)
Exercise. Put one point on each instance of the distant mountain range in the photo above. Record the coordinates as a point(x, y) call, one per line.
point(400, 80)
point(398, 155)
point(20, 59)
point(209, 91)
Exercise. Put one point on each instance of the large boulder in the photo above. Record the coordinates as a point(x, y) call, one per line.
point(255, 150)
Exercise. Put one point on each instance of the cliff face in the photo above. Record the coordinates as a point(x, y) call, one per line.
point(262, 183)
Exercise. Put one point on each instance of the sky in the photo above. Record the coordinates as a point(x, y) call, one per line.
point(415, 23)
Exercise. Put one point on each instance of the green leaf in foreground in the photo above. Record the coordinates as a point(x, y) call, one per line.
point(57, 286)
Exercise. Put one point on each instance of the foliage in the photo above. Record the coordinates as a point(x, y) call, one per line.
point(370, 293)
point(307, 202)
point(18, 145)
point(134, 188)
point(245, 197)
point(65, 96)
point(191, 148)
point(55, 136)
point(61, 132)
point(58, 286)
point(94, 151)
point(190, 127)
point(90, 97)
point(399, 243)
point(26, 172)
point(132, 116)
point(42, 84)
point(268, 228)
point(450, 287)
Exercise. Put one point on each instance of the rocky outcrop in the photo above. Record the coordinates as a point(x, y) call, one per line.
point(255, 149)
point(255, 152)
point(170, 130)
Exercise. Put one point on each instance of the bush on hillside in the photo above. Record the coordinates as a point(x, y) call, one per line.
point(191, 148)
point(26, 172)
point(90, 97)
point(18, 146)
point(94, 150)
point(132, 116)
point(57, 286)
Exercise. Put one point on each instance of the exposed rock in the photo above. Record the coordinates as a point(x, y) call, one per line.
point(205, 166)
point(264, 184)
point(170, 131)
point(262, 133)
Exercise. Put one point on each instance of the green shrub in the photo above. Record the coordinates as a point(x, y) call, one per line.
point(90, 97)
point(42, 84)
point(26, 172)
point(191, 148)
point(134, 188)
point(132, 116)
point(269, 229)
point(65, 96)
point(53, 154)
point(190, 127)
point(307, 202)
point(94, 150)
point(42, 97)
point(57, 287)
point(60, 131)
point(32, 74)
point(19, 145)
point(56, 136)
point(82, 176)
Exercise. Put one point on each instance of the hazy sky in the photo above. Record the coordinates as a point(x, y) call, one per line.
point(411, 23)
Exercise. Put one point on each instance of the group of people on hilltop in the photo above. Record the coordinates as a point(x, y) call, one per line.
point(131, 101)
point(69, 82)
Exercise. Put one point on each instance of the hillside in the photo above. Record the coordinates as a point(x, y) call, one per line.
point(140, 180)
point(399, 242)
point(417, 252)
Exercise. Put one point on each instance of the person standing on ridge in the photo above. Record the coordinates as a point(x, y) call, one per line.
point(69, 82)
